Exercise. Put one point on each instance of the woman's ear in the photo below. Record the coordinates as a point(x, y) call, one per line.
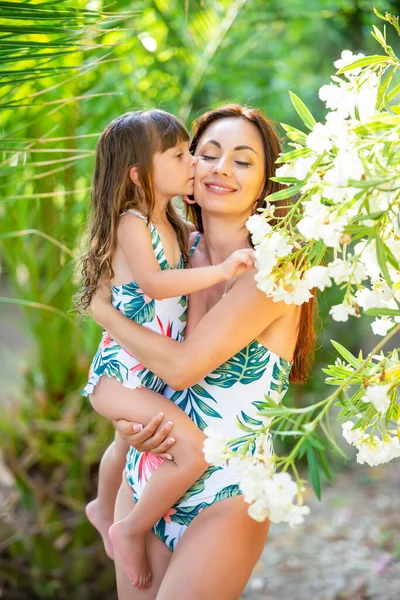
point(134, 176)
point(189, 199)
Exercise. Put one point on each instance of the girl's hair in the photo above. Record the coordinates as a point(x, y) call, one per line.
point(131, 140)
point(306, 340)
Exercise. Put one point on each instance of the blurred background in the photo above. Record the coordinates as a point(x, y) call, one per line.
point(67, 69)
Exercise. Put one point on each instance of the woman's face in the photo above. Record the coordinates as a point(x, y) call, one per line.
point(230, 171)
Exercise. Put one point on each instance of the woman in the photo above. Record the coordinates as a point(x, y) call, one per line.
point(239, 347)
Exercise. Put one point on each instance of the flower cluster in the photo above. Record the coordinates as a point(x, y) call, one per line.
point(371, 449)
point(348, 176)
point(270, 494)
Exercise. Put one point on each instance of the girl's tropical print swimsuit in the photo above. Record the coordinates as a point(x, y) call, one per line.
point(167, 317)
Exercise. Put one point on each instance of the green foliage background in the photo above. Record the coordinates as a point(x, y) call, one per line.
point(66, 70)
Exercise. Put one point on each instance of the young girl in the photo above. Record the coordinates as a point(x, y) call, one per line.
point(138, 244)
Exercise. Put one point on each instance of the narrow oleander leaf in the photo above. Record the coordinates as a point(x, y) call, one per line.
point(313, 469)
point(348, 356)
point(325, 464)
point(302, 110)
point(382, 312)
point(376, 59)
point(286, 193)
point(381, 254)
point(289, 156)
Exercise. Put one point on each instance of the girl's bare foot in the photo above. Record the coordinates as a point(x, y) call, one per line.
point(101, 523)
point(131, 549)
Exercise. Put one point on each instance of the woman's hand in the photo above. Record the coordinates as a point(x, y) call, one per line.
point(152, 438)
point(101, 301)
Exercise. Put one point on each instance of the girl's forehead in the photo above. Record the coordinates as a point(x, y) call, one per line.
point(233, 132)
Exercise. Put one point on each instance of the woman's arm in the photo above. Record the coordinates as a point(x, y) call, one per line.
point(236, 320)
point(135, 241)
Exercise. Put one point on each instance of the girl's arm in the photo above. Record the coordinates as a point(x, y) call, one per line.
point(135, 240)
point(236, 320)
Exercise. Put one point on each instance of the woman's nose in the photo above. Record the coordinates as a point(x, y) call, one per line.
point(221, 167)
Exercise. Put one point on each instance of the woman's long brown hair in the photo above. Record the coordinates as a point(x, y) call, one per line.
point(129, 141)
point(306, 340)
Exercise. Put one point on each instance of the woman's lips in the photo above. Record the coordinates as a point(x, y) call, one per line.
point(217, 188)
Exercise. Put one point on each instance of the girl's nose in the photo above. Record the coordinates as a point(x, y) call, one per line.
point(194, 161)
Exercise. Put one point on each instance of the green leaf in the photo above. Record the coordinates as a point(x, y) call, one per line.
point(348, 357)
point(302, 111)
point(364, 62)
point(314, 471)
point(289, 156)
point(325, 464)
point(393, 92)
point(381, 255)
point(286, 193)
point(382, 312)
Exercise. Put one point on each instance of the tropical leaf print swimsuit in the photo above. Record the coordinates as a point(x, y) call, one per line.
point(167, 317)
point(226, 400)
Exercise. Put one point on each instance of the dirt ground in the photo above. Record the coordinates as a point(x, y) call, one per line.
point(348, 548)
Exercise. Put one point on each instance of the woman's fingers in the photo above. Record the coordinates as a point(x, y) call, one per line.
point(149, 438)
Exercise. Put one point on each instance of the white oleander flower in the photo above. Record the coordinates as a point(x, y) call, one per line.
point(347, 165)
point(378, 396)
point(259, 511)
point(332, 95)
point(302, 167)
point(339, 270)
point(342, 312)
point(319, 139)
point(367, 298)
point(214, 448)
point(346, 58)
point(382, 325)
point(352, 436)
point(300, 293)
point(280, 490)
point(339, 194)
point(296, 514)
point(285, 171)
point(317, 277)
point(279, 294)
point(280, 244)
point(374, 451)
point(265, 283)
point(367, 255)
point(258, 228)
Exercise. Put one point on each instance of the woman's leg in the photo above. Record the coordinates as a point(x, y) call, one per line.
point(216, 555)
point(166, 485)
point(158, 553)
point(100, 511)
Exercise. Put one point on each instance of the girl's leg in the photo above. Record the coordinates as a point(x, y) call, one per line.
point(100, 511)
point(158, 553)
point(216, 554)
point(166, 485)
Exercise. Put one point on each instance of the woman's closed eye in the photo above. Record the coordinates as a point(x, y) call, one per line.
point(208, 157)
point(242, 163)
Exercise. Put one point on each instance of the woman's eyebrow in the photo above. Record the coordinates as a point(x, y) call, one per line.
point(245, 148)
point(218, 145)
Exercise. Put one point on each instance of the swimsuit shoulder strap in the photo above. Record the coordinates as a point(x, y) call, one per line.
point(194, 245)
point(134, 212)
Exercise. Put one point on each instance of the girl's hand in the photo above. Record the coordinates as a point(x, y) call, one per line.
point(152, 438)
point(101, 301)
point(238, 262)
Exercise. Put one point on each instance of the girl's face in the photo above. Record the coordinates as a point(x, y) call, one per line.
point(230, 172)
point(173, 172)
